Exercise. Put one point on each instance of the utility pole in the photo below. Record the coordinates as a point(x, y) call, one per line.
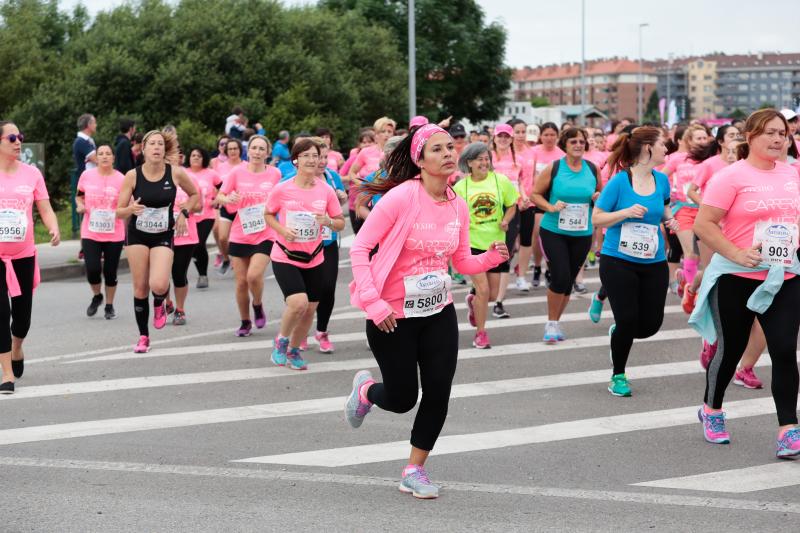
point(412, 62)
point(640, 106)
point(583, 63)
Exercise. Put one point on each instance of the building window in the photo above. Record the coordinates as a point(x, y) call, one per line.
point(707, 77)
point(743, 87)
point(773, 75)
point(694, 78)
point(763, 75)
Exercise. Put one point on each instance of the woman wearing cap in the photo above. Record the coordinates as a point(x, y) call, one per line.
point(419, 225)
point(565, 191)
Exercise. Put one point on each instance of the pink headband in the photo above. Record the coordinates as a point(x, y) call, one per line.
point(421, 137)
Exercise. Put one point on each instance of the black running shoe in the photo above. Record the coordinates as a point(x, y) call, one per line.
point(499, 311)
point(7, 387)
point(97, 299)
point(110, 313)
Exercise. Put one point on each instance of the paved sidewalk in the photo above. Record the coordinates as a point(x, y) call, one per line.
point(61, 262)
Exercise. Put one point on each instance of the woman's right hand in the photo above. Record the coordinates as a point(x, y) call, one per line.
point(748, 257)
point(137, 208)
point(558, 206)
point(288, 234)
point(388, 324)
point(232, 198)
point(636, 211)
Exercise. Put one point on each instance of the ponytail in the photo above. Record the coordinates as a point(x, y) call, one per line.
point(628, 147)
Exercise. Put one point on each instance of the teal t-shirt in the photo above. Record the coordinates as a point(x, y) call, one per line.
point(576, 190)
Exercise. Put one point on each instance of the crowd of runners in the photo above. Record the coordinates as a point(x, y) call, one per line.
point(709, 215)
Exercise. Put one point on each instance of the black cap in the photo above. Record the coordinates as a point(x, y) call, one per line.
point(457, 130)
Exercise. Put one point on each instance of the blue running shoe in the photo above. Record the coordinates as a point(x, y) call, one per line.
point(354, 409)
point(550, 333)
point(416, 482)
point(595, 309)
point(294, 360)
point(279, 352)
point(789, 444)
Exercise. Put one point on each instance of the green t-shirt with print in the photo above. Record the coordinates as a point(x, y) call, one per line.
point(486, 200)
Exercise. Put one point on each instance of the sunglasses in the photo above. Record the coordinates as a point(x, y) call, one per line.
point(13, 137)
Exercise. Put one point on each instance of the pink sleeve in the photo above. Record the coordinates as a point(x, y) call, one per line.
point(216, 179)
point(274, 200)
point(360, 158)
point(380, 221)
point(345, 170)
point(334, 207)
point(463, 260)
point(40, 190)
point(80, 183)
point(228, 184)
point(702, 175)
point(670, 165)
point(720, 193)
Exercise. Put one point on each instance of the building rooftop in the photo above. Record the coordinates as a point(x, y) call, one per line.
point(573, 70)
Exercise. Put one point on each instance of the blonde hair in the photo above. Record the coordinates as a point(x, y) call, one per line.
point(170, 145)
point(263, 138)
point(383, 122)
point(687, 135)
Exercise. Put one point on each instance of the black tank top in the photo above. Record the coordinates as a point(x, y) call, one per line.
point(155, 194)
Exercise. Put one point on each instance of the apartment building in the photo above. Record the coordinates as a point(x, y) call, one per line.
point(611, 85)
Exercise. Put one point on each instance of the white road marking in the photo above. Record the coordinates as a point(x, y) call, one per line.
point(490, 440)
point(391, 484)
point(738, 481)
point(341, 337)
point(109, 385)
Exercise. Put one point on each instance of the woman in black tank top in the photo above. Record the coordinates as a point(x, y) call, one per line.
point(147, 198)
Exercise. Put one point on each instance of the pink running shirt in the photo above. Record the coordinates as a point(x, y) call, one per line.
point(191, 224)
point(100, 196)
point(254, 190)
point(369, 160)
point(18, 192)
point(708, 168)
point(681, 171)
point(208, 180)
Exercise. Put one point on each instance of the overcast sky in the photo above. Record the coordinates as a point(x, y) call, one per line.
point(545, 32)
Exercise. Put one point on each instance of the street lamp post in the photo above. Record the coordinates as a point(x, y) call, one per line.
point(412, 63)
point(583, 63)
point(640, 104)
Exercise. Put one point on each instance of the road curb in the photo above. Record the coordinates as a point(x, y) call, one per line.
point(72, 270)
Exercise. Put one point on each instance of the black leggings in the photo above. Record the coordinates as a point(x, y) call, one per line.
point(565, 256)
point(780, 323)
point(637, 293)
point(204, 228)
point(526, 223)
point(430, 342)
point(180, 264)
point(355, 221)
point(511, 235)
point(330, 274)
point(675, 249)
point(101, 256)
point(18, 310)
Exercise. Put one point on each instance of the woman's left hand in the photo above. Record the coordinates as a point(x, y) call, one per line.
point(55, 237)
point(500, 247)
point(181, 227)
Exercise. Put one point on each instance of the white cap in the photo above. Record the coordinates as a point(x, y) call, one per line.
point(532, 133)
point(788, 114)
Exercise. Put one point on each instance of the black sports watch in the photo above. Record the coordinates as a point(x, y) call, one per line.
point(185, 213)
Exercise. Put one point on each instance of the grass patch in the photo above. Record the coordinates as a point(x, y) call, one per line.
point(64, 223)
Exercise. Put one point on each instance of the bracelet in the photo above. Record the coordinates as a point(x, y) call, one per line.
point(185, 213)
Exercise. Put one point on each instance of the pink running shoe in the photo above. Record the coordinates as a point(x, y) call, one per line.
point(789, 444)
point(143, 346)
point(260, 315)
point(714, 427)
point(325, 345)
point(218, 261)
point(304, 345)
point(471, 309)
point(707, 354)
point(679, 277)
point(160, 316)
point(481, 341)
point(747, 379)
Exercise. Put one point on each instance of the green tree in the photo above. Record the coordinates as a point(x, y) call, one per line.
point(540, 101)
point(737, 114)
point(460, 59)
point(766, 105)
point(651, 113)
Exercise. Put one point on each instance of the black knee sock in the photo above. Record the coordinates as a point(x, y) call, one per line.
point(141, 308)
point(158, 299)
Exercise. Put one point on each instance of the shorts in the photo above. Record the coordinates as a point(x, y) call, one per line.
point(223, 213)
point(151, 240)
point(295, 280)
point(685, 217)
point(237, 249)
point(502, 268)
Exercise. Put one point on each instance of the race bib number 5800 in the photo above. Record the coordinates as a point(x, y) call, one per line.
point(426, 294)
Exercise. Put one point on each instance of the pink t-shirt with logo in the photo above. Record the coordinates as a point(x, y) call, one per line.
point(334, 160)
point(507, 166)
point(528, 159)
point(288, 200)
point(749, 195)
point(208, 181)
point(225, 168)
point(708, 168)
point(190, 238)
point(597, 157)
point(368, 159)
point(254, 190)
point(681, 171)
point(18, 192)
point(101, 193)
point(543, 158)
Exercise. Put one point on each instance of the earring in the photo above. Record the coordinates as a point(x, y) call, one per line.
point(294, 161)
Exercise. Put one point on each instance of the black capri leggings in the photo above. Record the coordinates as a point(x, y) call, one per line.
point(675, 249)
point(431, 343)
point(637, 293)
point(18, 310)
point(180, 264)
point(565, 256)
point(204, 228)
point(101, 257)
point(733, 319)
point(526, 222)
point(330, 274)
point(511, 235)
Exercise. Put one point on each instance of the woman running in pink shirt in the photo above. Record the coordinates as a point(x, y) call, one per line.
point(22, 187)
point(419, 226)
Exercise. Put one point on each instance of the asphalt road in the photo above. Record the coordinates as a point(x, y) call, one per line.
point(203, 434)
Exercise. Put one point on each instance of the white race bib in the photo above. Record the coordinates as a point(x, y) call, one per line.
point(153, 220)
point(304, 225)
point(574, 217)
point(102, 220)
point(639, 240)
point(778, 242)
point(327, 233)
point(252, 219)
point(426, 294)
point(13, 225)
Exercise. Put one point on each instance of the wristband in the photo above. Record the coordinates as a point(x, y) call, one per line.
point(185, 213)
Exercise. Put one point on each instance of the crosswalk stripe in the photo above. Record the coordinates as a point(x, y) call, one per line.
point(196, 378)
point(340, 337)
point(560, 431)
point(738, 481)
point(334, 404)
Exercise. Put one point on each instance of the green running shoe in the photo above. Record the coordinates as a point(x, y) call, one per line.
point(619, 386)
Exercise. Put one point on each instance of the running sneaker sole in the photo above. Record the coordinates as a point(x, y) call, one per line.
point(238, 334)
point(292, 367)
point(787, 454)
point(618, 395)
point(328, 350)
point(137, 350)
point(406, 490)
point(475, 345)
point(745, 385)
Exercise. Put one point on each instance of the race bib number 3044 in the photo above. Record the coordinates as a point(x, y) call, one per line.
point(426, 294)
point(153, 220)
point(778, 242)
